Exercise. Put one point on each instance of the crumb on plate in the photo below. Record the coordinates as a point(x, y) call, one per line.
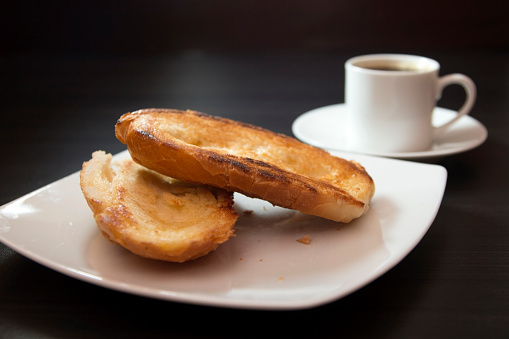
point(305, 240)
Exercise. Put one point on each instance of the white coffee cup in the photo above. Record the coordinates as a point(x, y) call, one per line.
point(390, 100)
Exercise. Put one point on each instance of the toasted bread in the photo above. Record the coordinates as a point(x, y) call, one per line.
point(258, 163)
point(153, 215)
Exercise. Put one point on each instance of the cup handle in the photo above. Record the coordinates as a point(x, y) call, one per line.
point(471, 92)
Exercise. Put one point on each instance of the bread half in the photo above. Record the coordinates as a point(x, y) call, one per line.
point(199, 148)
point(153, 215)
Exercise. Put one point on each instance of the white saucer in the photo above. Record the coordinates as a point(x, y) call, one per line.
point(324, 127)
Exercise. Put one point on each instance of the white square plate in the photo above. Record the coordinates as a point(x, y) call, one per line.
point(262, 267)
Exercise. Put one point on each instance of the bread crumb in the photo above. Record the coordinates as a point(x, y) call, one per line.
point(261, 260)
point(241, 259)
point(305, 239)
point(281, 278)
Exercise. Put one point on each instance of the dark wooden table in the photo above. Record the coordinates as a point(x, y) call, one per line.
point(57, 109)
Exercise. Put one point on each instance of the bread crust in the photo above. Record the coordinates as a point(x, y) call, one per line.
point(155, 216)
point(199, 148)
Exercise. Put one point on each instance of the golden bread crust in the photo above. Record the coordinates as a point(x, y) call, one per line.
point(199, 148)
point(155, 216)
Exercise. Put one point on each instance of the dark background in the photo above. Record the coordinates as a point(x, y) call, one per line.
point(173, 26)
point(69, 61)
point(69, 69)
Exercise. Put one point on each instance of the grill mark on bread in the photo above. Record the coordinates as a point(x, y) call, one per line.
point(273, 176)
point(222, 159)
point(263, 163)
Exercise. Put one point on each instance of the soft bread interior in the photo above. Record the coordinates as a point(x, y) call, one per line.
point(153, 215)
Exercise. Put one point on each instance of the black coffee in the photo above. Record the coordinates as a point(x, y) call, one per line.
point(393, 68)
